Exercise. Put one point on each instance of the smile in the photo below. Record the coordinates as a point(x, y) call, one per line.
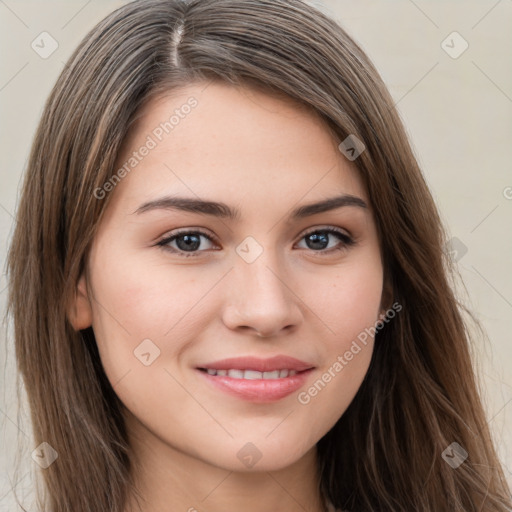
point(251, 374)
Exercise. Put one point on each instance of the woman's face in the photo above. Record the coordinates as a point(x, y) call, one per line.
point(175, 284)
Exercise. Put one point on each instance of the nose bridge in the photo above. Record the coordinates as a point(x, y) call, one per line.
point(263, 280)
point(261, 298)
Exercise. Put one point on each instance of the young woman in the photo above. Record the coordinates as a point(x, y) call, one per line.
point(228, 283)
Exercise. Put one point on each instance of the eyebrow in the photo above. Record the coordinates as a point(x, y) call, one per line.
point(222, 210)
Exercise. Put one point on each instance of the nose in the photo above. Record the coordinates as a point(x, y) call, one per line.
point(261, 299)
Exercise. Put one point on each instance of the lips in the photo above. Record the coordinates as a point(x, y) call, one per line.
point(257, 380)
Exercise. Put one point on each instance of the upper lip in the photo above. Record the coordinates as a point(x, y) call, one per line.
point(279, 362)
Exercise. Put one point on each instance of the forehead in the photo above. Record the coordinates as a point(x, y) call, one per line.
point(214, 138)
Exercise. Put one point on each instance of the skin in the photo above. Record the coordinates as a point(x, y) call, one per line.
point(264, 155)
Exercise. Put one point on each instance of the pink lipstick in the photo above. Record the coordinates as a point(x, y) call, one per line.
point(255, 379)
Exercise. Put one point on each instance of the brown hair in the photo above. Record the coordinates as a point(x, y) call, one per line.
point(420, 393)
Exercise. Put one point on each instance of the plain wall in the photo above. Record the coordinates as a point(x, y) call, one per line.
point(457, 110)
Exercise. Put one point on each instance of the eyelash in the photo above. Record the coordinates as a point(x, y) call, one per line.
point(346, 241)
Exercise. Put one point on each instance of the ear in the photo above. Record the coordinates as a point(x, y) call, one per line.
point(80, 311)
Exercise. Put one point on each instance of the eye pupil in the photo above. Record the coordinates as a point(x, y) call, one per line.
point(318, 238)
point(191, 242)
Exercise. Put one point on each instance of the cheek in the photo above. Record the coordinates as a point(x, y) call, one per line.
point(348, 306)
point(145, 317)
point(349, 300)
point(139, 298)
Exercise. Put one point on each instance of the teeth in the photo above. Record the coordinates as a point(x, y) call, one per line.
point(236, 374)
point(252, 374)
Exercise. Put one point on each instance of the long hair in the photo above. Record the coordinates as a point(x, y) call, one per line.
point(420, 393)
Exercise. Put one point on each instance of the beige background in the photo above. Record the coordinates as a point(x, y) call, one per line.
point(457, 112)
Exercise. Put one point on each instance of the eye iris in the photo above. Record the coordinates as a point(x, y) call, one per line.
point(320, 238)
point(191, 242)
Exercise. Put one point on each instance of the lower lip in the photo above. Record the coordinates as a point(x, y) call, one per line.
point(258, 390)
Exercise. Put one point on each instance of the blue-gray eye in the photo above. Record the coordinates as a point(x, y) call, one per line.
point(186, 241)
point(320, 239)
